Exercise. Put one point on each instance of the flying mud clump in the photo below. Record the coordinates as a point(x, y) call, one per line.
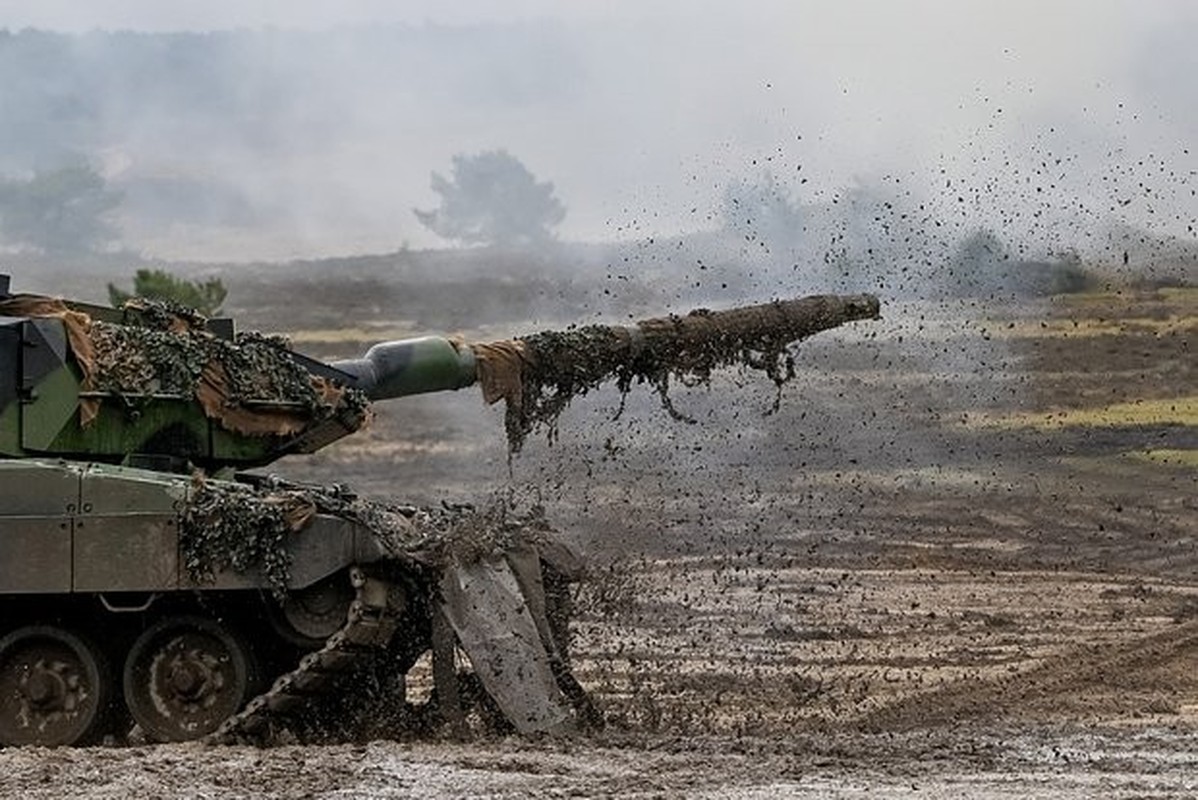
point(538, 375)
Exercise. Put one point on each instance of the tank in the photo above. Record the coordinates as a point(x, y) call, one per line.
point(146, 579)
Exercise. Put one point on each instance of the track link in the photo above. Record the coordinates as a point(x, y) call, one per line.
point(370, 623)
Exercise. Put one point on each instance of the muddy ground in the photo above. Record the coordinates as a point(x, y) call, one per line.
point(893, 586)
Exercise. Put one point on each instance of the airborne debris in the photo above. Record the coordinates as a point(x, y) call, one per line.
point(538, 375)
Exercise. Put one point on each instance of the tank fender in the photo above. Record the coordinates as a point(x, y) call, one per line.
point(327, 545)
point(324, 546)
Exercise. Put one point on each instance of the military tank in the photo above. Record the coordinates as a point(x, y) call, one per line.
point(146, 577)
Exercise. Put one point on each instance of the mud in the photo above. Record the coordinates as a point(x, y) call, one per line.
point(540, 374)
point(862, 594)
point(1005, 762)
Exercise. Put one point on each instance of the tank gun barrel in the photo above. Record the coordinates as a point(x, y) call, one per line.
point(760, 326)
point(682, 342)
point(593, 353)
point(537, 375)
point(411, 366)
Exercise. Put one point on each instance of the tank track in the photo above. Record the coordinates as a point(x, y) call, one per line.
point(372, 620)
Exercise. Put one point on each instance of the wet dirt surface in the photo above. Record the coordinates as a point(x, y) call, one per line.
point(863, 594)
point(984, 763)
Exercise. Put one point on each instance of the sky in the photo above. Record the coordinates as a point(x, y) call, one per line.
point(642, 113)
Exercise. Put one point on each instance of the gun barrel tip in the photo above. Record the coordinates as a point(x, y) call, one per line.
point(866, 306)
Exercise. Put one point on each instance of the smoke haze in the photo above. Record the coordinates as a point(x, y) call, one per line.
point(278, 130)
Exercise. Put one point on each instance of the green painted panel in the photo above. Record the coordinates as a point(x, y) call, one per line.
point(108, 490)
point(37, 488)
point(10, 430)
point(169, 425)
point(126, 553)
point(117, 431)
point(54, 406)
point(235, 448)
point(35, 555)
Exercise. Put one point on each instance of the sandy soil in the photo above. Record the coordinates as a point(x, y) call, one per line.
point(863, 594)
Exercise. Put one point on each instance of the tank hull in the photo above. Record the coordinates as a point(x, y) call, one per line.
point(71, 527)
point(101, 617)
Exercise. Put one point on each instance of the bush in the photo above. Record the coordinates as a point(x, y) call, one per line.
point(155, 284)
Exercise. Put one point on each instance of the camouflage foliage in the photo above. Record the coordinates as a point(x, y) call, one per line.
point(169, 351)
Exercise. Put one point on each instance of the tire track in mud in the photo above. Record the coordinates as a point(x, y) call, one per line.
point(1143, 677)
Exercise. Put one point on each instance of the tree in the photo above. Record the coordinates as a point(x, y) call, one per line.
point(492, 199)
point(61, 211)
point(155, 284)
point(980, 264)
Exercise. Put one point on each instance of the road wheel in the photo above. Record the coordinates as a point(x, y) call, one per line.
point(309, 616)
point(184, 676)
point(55, 688)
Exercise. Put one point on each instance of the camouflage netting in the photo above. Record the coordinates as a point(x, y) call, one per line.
point(250, 385)
point(539, 375)
point(240, 527)
point(231, 528)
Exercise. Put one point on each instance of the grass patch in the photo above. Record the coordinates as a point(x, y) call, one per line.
point(1185, 295)
point(1103, 297)
point(1173, 295)
point(1169, 411)
point(1112, 312)
point(1174, 457)
point(1175, 300)
point(1087, 327)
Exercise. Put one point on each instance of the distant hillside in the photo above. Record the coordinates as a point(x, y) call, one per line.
point(220, 141)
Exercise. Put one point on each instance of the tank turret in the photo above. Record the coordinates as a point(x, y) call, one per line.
point(144, 580)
